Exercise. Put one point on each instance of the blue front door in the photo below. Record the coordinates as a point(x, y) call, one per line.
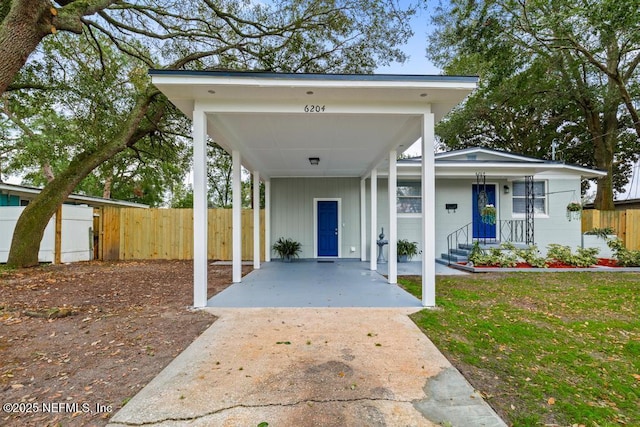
point(482, 230)
point(328, 228)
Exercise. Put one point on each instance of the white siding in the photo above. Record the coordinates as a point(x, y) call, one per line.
point(292, 214)
point(292, 211)
point(551, 228)
point(555, 227)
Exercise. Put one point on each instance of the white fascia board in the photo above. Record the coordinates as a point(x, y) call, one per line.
point(501, 169)
point(328, 82)
point(296, 106)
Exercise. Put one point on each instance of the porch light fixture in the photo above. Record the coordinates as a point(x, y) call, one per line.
point(314, 161)
point(211, 91)
point(506, 189)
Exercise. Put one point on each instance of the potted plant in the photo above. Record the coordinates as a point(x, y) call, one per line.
point(488, 214)
point(287, 248)
point(574, 210)
point(406, 250)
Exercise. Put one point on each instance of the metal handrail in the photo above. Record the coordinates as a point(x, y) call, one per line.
point(511, 230)
point(455, 238)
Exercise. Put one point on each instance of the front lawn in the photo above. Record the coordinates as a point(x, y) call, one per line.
point(543, 348)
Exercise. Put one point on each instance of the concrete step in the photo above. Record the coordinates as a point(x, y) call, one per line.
point(454, 258)
point(459, 251)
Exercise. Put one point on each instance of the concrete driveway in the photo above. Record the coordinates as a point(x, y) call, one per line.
point(309, 367)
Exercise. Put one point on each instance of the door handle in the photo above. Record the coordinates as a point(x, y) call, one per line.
point(336, 231)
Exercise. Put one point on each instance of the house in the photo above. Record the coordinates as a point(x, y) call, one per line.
point(326, 148)
point(462, 179)
point(75, 230)
point(468, 179)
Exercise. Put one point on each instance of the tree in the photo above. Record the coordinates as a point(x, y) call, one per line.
point(294, 36)
point(83, 105)
point(529, 49)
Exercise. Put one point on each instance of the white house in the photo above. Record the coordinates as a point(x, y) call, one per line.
point(462, 179)
point(326, 148)
point(510, 182)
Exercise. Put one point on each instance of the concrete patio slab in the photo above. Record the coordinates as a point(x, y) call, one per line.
point(313, 283)
point(309, 367)
point(414, 268)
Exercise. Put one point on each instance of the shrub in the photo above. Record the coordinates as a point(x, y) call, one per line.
point(584, 257)
point(496, 257)
point(532, 256)
point(624, 256)
point(601, 232)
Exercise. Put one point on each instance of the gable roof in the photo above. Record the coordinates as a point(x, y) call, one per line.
point(486, 153)
point(468, 161)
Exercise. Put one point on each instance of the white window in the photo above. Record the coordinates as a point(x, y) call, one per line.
point(409, 197)
point(539, 200)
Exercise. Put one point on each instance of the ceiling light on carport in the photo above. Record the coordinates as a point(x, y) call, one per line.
point(211, 91)
point(314, 160)
point(309, 92)
point(423, 95)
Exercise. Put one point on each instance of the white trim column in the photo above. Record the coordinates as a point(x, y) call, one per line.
point(363, 219)
point(267, 221)
point(236, 215)
point(200, 231)
point(374, 218)
point(393, 218)
point(428, 212)
point(256, 220)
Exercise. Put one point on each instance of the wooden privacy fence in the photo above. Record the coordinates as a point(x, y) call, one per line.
point(133, 233)
point(625, 223)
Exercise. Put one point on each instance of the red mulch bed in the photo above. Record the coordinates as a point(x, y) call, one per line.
point(602, 262)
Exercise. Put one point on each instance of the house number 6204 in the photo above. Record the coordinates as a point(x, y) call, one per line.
point(314, 108)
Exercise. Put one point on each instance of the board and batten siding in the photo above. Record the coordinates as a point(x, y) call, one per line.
point(292, 202)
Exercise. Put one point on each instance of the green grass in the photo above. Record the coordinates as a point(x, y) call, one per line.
point(545, 348)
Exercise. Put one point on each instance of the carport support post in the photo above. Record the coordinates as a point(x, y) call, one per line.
point(363, 220)
point(267, 221)
point(428, 213)
point(199, 209)
point(237, 216)
point(393, 219)
point(256, 220)
point(374, 218)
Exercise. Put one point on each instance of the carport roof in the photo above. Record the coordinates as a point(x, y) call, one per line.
point(278, 121)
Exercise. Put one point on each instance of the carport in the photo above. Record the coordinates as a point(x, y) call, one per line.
point(314, 126)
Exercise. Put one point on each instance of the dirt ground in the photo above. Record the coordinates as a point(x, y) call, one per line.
point(77, 341)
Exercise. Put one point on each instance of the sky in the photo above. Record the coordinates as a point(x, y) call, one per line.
point(416, 49)
point(417, 62)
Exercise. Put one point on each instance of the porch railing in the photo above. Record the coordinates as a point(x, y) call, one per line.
point(513, 230)
point(509, 230)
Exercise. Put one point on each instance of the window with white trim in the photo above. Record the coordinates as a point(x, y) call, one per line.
point(539, 200)
point(409, 197)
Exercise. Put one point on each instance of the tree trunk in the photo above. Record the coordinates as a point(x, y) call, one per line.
point(33, 221)
point(26, 24)
point(106, 191)
point(605, 146)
